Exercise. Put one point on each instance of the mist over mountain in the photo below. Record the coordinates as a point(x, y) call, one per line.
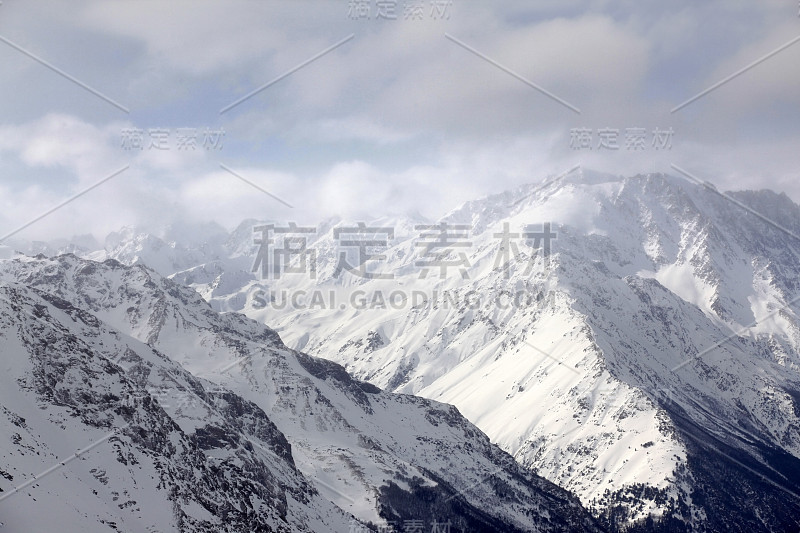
point(631, 340)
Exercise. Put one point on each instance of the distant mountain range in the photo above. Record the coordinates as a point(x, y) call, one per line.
point(648, 363)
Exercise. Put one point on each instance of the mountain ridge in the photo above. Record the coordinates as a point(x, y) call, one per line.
point(614, 375)
point(378, 454)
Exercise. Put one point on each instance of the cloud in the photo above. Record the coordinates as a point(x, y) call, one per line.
point(196, 38)
point(220, 196)
point(773, 82)
point(59, 140)
point(398, 119)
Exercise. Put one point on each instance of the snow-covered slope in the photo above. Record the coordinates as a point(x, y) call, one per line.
point(297, 445)
point(598, 366)
point(651, 364)
point(103, 433)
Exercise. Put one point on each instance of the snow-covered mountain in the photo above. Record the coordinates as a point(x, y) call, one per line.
point(103, 433)
point(130, 405)
point(650, 363)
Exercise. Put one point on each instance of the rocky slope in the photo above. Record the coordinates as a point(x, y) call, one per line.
point(650, 364)
point(200, 421)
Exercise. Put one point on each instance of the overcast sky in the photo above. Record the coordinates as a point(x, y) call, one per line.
point(419, 112)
